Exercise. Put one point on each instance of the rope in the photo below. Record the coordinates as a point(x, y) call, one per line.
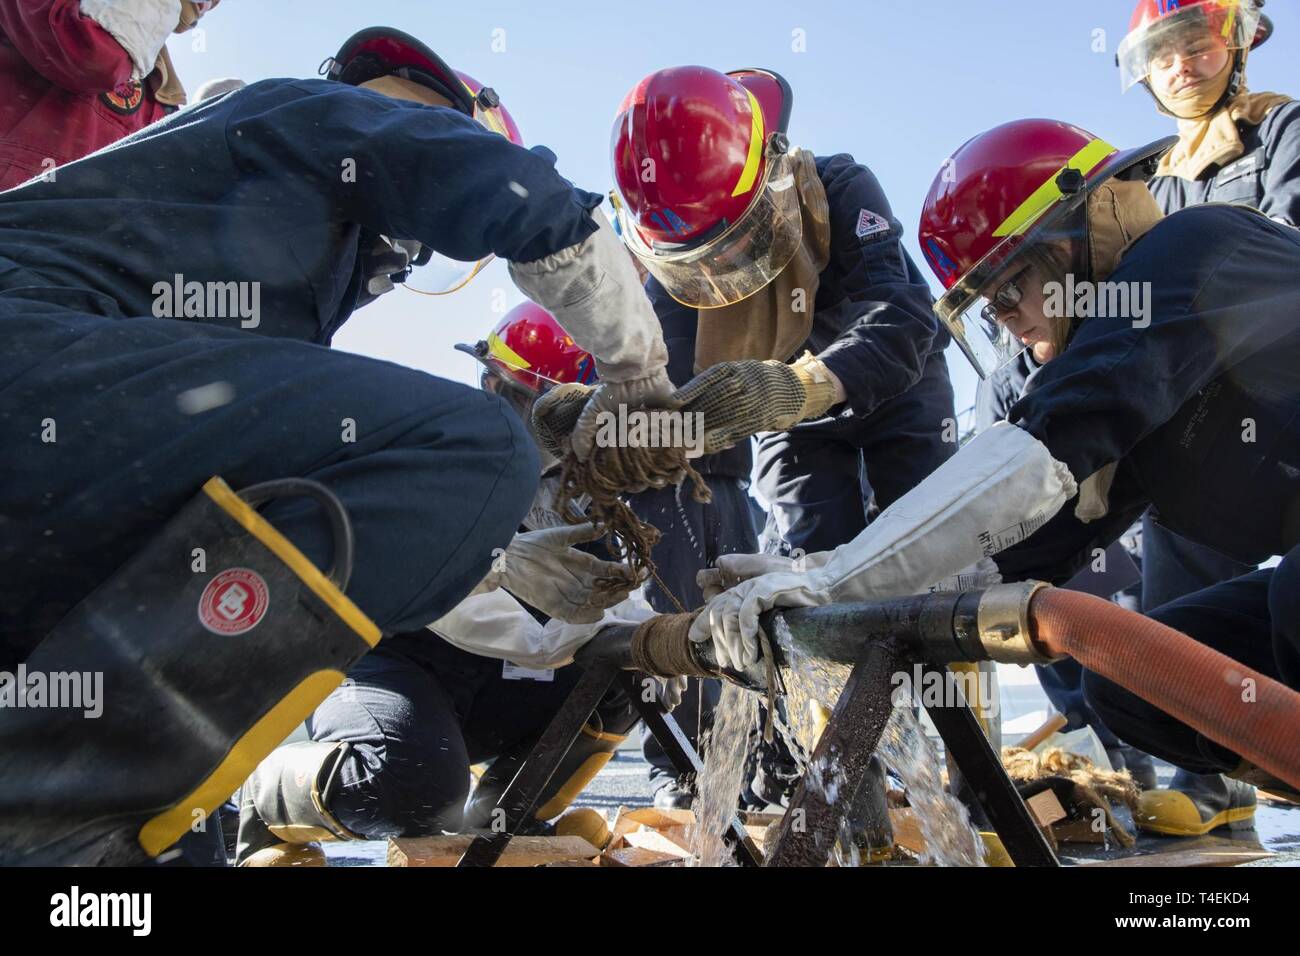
point(604, 477)
point(662, 647)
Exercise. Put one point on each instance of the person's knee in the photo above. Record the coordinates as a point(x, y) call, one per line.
point(391, 791)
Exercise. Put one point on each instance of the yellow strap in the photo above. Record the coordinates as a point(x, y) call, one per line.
point(497, 348)
point(280, 546)
point(1027, 213)
point(1230, 19)
point(750, 172)
point(247, 752)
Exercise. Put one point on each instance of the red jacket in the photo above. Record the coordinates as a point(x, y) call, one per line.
point(65, 88)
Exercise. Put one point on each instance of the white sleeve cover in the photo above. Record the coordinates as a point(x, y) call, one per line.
point(140, 26)
point(494, 624)
point(592, 290)
point(998, 490)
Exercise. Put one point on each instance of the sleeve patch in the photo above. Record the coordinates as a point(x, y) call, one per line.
point(870, 225)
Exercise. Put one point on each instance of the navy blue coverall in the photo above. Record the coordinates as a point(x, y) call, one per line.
point(1062, 681)
point(875, 328)
point(1267, 177)
point(275, 187)
point(1201, 410)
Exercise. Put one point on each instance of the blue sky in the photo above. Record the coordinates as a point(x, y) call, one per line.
point(899, 85)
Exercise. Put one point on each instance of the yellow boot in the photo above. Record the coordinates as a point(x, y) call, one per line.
point(1195, 804)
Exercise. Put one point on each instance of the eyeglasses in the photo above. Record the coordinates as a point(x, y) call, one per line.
point(1006, 298)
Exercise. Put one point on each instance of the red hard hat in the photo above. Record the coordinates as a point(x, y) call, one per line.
point(704, 193)
point(1002, 192)
point(489, 111)
point(529, 348)
point(688, 148)
point(1240, 22)
point(385, 51)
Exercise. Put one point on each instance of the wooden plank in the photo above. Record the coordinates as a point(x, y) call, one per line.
point(651, 817)
point(1206, 856)
point(654, 840)
point(522, 850)
point(639, 856)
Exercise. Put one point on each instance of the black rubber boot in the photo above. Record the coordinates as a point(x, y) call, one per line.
point(212, 645)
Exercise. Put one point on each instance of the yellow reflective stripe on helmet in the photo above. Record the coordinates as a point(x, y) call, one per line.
point(1085, 161)
point(498, 349)
point(750, 172)
point(1230, 19)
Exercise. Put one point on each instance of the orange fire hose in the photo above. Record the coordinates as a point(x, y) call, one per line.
point(1195, 684)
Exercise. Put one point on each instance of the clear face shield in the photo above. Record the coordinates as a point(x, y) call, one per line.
point(1200, 31)
point(743, 258)
point(437, 274)
point(995, 310)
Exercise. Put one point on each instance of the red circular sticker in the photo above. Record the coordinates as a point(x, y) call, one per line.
point(234, 602)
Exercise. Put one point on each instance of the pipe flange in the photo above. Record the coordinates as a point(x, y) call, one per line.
point(1003, 623)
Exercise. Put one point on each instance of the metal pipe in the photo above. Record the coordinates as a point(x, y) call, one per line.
point(942, 627)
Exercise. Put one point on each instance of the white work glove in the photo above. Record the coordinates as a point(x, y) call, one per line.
point(996, 491)
point(594, 292)
point(496, 625)
point(732, 569)
point(141, 27)
point(545, 570)
point(670, 691)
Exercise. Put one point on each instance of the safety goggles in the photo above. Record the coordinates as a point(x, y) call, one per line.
point(745, 255)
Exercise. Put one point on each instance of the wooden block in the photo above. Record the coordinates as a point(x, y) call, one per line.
point(757, 833)
point(651, 817)
point(521, 851)
point(1078, 831)
point(760, 818)
point(638, 856)
point(648, 839)
point(681, 835)
point(907, 830)
point(1046, 808)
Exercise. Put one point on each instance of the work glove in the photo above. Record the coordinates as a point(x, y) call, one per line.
point(192, 12)
point(568, 417)
point(730, 620)
point(556, 413)
point(670, 691)
point(545, 570)
point(995, 492)
point(731, 569)
point(384, 259)
point(740, 399)
point(652, 391)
